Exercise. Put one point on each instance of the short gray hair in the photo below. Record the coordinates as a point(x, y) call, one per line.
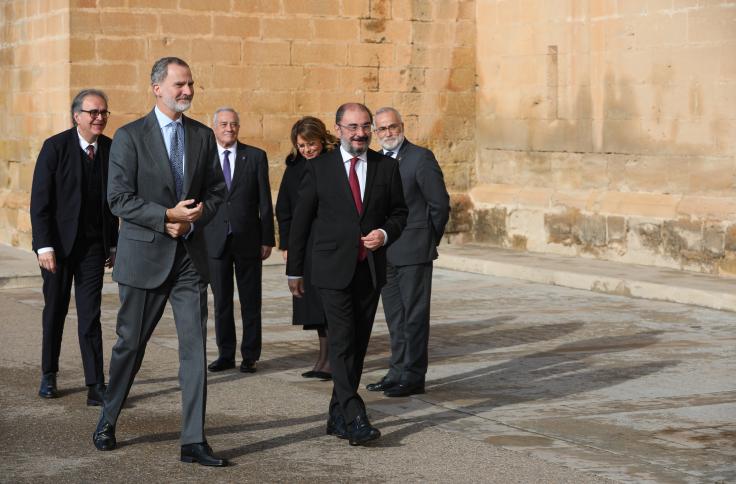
point(389, 109)
point(160, 68)
point(224, 109)
point(79, 100)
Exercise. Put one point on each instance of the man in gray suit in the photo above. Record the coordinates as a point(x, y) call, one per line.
point(164, 187)
point(407, 292)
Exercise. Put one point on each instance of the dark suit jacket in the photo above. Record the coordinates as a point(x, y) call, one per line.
point(326, 205)
point(56, 194)
point(141, 188)
point(429, 206)
point(247, 206)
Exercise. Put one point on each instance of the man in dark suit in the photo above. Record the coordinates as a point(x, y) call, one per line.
point(74, 235)
point(407, 292)
point(165, 189)
point(240, 234)
point(352, 200)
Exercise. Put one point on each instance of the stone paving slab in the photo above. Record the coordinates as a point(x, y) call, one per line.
point(527, 383)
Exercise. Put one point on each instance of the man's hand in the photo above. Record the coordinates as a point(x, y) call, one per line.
point(110, 261)
point(373, 240)
point(285, 255)
point(177, 229)
point(296, 286)
point(182, 212)
point(265, 252)
point(47, 261)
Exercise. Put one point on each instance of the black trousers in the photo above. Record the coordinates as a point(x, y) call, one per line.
point(248, 271)
point(350, 313)
point(406, 299)
point(85, 267)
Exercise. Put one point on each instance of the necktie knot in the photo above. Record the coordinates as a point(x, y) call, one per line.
point(90, 152)
point(390, 153)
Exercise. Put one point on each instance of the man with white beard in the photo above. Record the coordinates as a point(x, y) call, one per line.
point(164, 188)
point(407, 292)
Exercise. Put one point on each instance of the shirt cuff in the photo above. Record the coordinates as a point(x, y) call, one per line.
point(385, 237)
point(191, 229)
point(43, 250)
point(295, 277)
point(113, 250)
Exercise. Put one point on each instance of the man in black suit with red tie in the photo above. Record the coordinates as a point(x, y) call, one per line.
point(352, 201)
point(74, 235)
point(240, 235)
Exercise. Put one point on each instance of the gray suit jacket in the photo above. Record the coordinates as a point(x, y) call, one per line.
point(429, 207)
point(141, 188)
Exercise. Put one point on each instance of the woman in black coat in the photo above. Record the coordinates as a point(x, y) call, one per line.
point(309, 139)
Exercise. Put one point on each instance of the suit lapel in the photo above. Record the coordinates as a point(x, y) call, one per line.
point(402, 151)
point(339, 170)
point(240, 161)
point(192, 147)
point(370, 177)
point(75, 157)
point(154, 142)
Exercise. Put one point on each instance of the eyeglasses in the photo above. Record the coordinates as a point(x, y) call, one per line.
point(394, 128)
point(93, 113)
point(352, 128)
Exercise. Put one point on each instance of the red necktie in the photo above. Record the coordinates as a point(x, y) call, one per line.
point(90, 152)
point(355, 188)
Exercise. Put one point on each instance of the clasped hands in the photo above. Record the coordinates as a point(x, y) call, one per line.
point(179, 219)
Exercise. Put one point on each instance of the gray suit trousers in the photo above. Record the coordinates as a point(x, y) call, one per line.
point(406, 297)
point(140, 311)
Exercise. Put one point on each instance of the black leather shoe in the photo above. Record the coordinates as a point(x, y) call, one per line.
point(336, 426)
point(405, 389)
point(96, 395)
point(309, 374)
point(221, 364)
point(323, 375)
point(248, 366)
point(104, 435)
point(360, 431)
point(201, 454)
point(48, 386)
point(380, 386)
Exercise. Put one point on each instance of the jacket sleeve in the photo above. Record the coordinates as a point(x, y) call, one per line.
point(265, 204)
point(43, 196)
point(214, 189)
point(122, 187)
point(431, 183)
point(284, 208)
point(304, 214)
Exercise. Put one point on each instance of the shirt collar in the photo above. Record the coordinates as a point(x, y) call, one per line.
point(231, 149)
point(395, 151)
point(347, 156)
point(164, 120)
point(84, 143)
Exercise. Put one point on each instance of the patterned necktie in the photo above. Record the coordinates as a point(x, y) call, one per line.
point(176, 157)
point(226, 168)
point(355, 188)
point(90, 152)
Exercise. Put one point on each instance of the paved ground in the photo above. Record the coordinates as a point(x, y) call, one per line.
point(528, 383)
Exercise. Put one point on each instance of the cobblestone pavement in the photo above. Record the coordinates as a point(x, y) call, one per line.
point(527, 383)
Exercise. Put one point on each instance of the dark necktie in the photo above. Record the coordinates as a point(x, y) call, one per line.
point(176, 157)
point(355, 188)
point(390, 153)
point(90, 152)
point(226, 168)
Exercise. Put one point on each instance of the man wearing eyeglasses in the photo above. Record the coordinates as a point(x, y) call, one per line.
point(407, 292)
point(74, 236)
point(353, 202)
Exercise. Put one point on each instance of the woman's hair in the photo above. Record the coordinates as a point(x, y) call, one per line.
point(311, 129)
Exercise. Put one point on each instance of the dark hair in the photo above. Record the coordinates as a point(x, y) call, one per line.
point(311, 129)
point(160, 68)
point(79, 100)
point(341, 111)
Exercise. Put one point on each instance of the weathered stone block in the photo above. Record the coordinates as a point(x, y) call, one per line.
point(714, 238)
point(461, 216)
point(590, 230)
point(559, 227)
point(682, 238)
point(615, 229)
point(489, 226)
point(730, 238)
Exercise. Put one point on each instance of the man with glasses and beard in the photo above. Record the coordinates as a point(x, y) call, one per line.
point(407, 293)
point(74, 235)
point(353, 202)
point(165, 188)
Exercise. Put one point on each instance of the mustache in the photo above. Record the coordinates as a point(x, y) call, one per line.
point(359, 138)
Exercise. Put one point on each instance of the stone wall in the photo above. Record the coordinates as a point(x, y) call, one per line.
point(607, 128)
point(272, 60)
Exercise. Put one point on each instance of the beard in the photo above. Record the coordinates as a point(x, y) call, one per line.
point(390, 143)
point(178, 106)
point(347, 145)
